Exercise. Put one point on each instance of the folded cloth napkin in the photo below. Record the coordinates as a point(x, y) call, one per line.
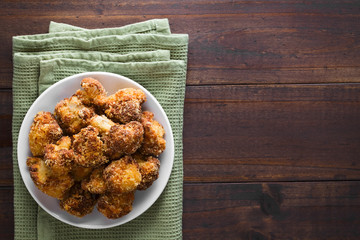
point(145, 52)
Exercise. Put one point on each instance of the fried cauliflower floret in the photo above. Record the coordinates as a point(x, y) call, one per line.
point(154, 142)
point(72, 114)
point(59, 157)
point(78, 202)
point(42, 176)
point(95, 183)
point(79, 173)
point(122, 175)
point(93, 92)
point(44, 130)
point(124, 106)
point(115, 205)
point(88, 148)
point(118, 139)
point(149, 167)
point(39, 172)
point(123, 139)
point(102, 123)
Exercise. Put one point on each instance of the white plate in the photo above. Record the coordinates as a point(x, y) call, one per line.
point(46, 102)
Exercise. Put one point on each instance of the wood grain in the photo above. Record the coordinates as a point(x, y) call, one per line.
point(266, 133)
point(272, 133)
point(322, 210)
point(272, 109)
point(6, 167)
point(307, 210)
point(6, 213)
point(130, 8)
point(5, 133)
point(238, 43)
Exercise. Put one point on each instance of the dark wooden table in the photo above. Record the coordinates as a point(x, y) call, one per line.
point(272, 110)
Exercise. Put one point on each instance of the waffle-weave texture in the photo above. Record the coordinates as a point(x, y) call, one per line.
point(138, 52)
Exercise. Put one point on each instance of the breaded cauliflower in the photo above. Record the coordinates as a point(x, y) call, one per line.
point(59, 157)
point(154, 142)
point(95, 183)
point(119, 139)
point(149, 167)
point(72, 114)
point(44, 130)
point(122, 175)
point(115, 205)
point(93, 92)
point(124, 106)
point(102, 123)
point(123, 139)
point(42, 176)
point(78, 202)
point(79, 173)
point(88, 148)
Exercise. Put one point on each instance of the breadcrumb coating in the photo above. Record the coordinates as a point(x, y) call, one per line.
point(79, 173)
point(88, 148)
point(44, 130)
point(118, 139)
point(72, 114)
point(124, 106)
point(59, 157)
point(95, 183)
point(115, 205)
point(78, 202)
point(39, 172)
point(42, 176)
point(93, 92)
point(154, 142)
point(122, 175)
point(149, 167)
point(102, 123)
point(123, 139)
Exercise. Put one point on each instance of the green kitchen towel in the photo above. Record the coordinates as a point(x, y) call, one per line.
point(63, 27)
point(158, 26)
point(155, 26)
point(91, 49)
point(26, 60)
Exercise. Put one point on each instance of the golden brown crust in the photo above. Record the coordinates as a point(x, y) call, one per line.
point(79, 173)
point(44, 130)
point(92, 94)
point(114, 205)
point(78, 202)
point(59, 157)
point(39, 172)
point(95, 183)
point(72, 114)
point(54, 186)
point(154, 142)
point(125, 105)
point(122, 175)
point(149, 167)
point(124, 112)
point(123, 139)
point(102, 123)
point(88, 148)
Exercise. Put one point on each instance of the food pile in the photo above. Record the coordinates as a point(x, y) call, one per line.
point(96, 148)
